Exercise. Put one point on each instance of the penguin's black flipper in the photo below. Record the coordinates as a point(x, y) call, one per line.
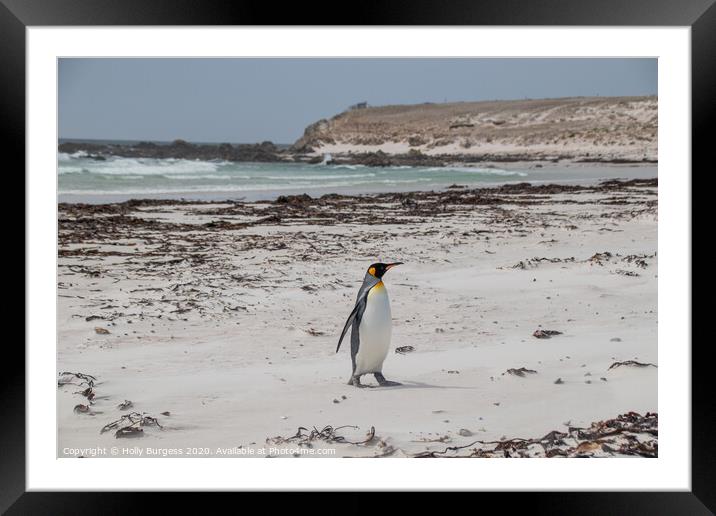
point(369, 282)
point(350, 321)
point(355, 331)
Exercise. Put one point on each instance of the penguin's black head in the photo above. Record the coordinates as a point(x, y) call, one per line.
point(378, 269)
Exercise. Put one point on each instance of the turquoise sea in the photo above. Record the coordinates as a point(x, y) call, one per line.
point(83, 179)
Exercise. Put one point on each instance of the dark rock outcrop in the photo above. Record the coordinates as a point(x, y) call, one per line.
point(181, 149)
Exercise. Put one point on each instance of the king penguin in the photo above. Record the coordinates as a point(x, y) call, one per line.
point(371, 322)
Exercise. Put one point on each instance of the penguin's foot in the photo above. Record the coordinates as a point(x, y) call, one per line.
point(383, 382)
point(355, 382)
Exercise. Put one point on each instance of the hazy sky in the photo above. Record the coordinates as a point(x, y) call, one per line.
point(249, 100)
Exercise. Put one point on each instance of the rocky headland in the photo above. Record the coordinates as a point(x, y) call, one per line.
point(570, 130)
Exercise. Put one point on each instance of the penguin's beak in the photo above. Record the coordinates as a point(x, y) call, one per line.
point(391, 265)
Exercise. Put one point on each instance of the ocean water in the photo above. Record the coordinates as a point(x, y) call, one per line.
point(82, 179)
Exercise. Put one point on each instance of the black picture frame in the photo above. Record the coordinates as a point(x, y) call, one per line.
point(700, 15)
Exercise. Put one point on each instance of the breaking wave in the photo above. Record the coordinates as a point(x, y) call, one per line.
point(82, 174)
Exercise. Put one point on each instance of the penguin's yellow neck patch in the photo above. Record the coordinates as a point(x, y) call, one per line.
point(378, 286)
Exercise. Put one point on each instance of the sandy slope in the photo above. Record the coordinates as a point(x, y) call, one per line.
point(240, 347)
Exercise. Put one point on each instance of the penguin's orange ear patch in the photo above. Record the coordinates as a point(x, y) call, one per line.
point(371, 271)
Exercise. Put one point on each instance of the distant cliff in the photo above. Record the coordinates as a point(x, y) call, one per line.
point(613, 129)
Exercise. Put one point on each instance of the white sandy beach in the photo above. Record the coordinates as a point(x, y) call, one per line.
point(232, 330)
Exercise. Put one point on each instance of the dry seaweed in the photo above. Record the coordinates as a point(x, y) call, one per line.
point(304, 436)
point(545, 334)
point(534, 262)
point(126, 404)
point(522, 372)
point(87, 393)
point(67, 378)
point(129, 431)
point(191, 265)
point(631, 363)
point(627, 434)
point(133, 419)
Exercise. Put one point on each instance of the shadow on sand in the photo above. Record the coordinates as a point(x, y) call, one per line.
point(415, 385)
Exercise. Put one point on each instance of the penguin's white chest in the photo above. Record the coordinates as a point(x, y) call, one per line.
point(374, 331)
